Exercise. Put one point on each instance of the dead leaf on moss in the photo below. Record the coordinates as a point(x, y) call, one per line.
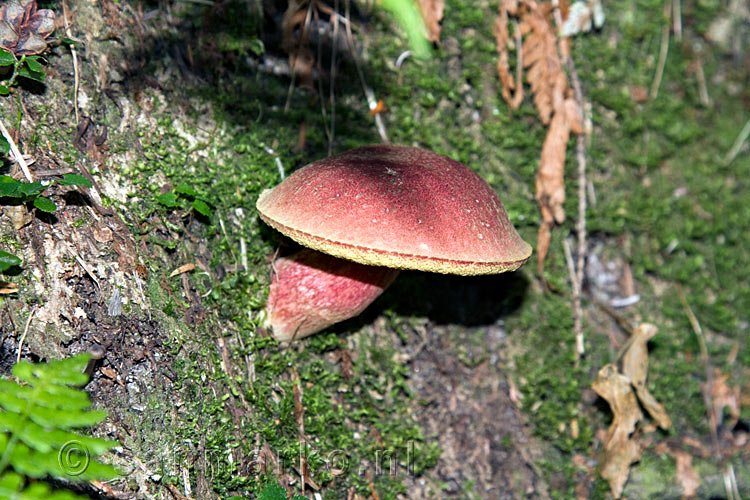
point(724, 396)
point(432, 13)
point(635, 367)
point(620, 449)
point(686, 476)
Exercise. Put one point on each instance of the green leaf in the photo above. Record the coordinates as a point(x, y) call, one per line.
point(8, 260)
point(4, 145)
point(30, 189)
point(186, 190)
point(6, 58)
point(4, 90)
point(45, 204)
point(27, 72)
point(34, 65)
point(75, 180)
point(168, 199)
point(201, 207)
point(66, 419)
point(9, 186)
point(272, 492)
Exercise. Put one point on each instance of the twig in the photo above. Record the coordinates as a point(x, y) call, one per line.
point(369, 94)
point(662, 53)
point(74, 53)
point(518, 94)
point(677, 19)
point(569, 261)
point(332, 93)
point(738, 143)
point(581, 223)
point(16, 153)
point(25, 332)
point(293, 65)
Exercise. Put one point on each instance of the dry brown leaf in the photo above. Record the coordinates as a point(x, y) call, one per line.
point(500, 30)
point(296, 39)
point(7, 288)
point(620, 449)
point(687, 478)
point(635, 367)
point(542, 53)
point(185, 268)
point(544, 68)
point(432, 13)
point(724, 396)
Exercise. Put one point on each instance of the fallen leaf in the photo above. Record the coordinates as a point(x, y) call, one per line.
point(686, 476)
point(6, 288)
point(296, 39)
point(185, 268)
point(432, 13)
point(635, 367)
point(724, 396)
point(542, 53)
point(620, 449)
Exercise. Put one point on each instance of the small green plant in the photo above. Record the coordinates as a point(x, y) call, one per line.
point(31, 192)
point(8, 260)
point(24, 67)
point(38, 415)
point(184, 196)
point(274, 491)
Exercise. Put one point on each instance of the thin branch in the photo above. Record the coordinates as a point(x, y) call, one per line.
point(369, 94)
point(663, 51)
point(25, 332)
point(332, 93)
point(16, 153)
point(74, 53)
point(581, 222)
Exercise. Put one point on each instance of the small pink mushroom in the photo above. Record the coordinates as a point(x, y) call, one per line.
point(384, 208)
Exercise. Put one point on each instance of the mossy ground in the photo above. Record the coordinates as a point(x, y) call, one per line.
point(665, 203)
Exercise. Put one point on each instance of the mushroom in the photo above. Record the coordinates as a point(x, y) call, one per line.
point(372, 211)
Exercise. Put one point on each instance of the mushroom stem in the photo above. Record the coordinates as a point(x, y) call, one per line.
point(311, 291)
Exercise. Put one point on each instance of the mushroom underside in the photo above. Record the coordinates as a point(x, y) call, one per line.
point(311, 291)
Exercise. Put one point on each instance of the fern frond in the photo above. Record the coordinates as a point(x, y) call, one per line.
point(38, 419)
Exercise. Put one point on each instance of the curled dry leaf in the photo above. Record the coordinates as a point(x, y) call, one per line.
point(635, 366)
point(620, 449)
point(432, 13)
point(185, 268)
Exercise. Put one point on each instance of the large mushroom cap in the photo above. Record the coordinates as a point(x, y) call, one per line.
point(399, 207)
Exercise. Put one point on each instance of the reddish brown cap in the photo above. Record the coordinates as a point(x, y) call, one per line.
point(399, 207)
